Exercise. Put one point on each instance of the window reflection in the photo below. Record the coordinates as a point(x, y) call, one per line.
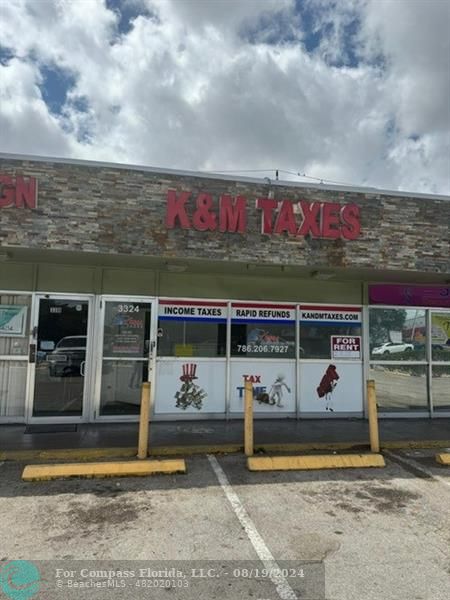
point(315, 340)
point(441, 387)
point(263, 340)
point(400, 387)
point(397, 334)
point(60, 357)
point(191, 338)
point(121, 386)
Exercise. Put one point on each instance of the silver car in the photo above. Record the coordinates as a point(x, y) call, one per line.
point(68, 357)
point(393, 348)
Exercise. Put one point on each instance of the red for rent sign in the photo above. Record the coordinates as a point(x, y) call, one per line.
point(345, 346)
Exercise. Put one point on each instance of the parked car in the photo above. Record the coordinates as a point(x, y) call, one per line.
point(67, 357)
point(393, 348)
point(444, 347)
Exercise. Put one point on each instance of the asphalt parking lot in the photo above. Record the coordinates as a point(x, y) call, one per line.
point(373, 533)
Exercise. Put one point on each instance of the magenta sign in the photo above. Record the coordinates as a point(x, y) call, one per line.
point(410, 295)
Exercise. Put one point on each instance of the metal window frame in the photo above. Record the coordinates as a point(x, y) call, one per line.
point(429, 411)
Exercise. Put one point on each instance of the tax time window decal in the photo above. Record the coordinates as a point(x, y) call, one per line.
point(327, 220)
point(273, 386)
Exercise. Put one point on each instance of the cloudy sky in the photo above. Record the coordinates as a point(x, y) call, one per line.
point(351, 91)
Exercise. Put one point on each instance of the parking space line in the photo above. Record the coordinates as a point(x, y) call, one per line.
point(284, 590)
point(413, 466)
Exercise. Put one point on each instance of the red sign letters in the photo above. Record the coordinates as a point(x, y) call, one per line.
point(20, 192)
point(328, 220)
point(232, 214)
point(318, 219)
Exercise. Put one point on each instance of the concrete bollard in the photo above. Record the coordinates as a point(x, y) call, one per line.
point(373, 416)
point(144, 421)
point(248, 418)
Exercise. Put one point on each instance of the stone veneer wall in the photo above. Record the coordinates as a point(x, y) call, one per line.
point(114, 210)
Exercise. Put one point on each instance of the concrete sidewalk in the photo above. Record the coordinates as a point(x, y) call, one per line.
point(316, 432)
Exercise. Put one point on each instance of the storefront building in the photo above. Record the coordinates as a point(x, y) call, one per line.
point(112, 275)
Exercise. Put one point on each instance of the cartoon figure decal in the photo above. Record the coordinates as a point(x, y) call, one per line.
point(275, 395)
point(276, 391)
point(327, 385)
point(190, 394)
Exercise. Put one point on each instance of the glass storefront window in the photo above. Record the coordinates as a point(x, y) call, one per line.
point(440, 336)
point(121, 386)
point(13, 379)
point(14, 331)
point(315, 339)
point(191, 338)
point(126, 330)
point(14, 324)
point(397, 334)
point(400, 387)
point(441, 387)
point(263, 340)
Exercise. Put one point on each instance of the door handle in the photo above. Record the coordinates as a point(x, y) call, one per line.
point(82, 368)
point(32, 353)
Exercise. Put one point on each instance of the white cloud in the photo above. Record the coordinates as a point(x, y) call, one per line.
point(415, 39)
point(25, 123)
point(227, 17)
point(192, 85)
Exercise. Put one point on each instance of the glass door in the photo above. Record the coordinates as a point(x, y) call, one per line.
point(126, 356)
point(59, 353)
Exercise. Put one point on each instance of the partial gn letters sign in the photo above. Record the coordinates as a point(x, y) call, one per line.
point(18, 192)
point(328, 220)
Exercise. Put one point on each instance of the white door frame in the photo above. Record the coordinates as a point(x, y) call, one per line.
point(89, 353)
point(95, 415)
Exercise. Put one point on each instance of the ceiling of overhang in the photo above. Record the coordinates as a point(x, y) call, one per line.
point(12, 255)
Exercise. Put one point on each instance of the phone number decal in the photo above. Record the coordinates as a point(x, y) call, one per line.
point(263, 348)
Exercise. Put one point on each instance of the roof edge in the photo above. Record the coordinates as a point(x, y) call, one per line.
point(212, 175)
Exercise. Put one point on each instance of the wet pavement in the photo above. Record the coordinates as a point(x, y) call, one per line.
point(188, 433)
point(372, 533)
